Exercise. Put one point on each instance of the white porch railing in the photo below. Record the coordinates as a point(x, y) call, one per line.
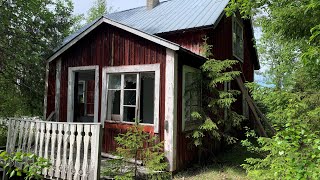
point(72, 148)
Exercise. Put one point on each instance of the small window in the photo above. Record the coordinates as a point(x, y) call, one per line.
point(191, 96)
point(237, 39)
point(130, 97)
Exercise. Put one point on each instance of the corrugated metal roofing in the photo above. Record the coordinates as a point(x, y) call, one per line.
point(172, 15)
point(168, 16)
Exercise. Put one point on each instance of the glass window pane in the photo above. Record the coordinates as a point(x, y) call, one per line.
point(113, 105)
point(130, 81)
point(195, 98)
point(114, 81)
point(129, 97)
point(147, 98)
point(129, 114)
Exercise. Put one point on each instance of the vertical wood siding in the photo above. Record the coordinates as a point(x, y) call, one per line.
point(109, 46)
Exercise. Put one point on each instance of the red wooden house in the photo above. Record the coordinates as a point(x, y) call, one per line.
point(135, 64)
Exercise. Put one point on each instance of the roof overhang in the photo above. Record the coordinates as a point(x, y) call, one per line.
point(153, 38)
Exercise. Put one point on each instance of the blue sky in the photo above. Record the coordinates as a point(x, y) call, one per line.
point(82, 6)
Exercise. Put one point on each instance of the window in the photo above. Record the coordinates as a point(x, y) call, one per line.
point(132, 93)
point(237, 39)
point(191, 96)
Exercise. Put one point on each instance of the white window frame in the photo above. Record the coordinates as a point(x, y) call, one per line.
point(132, 69)
point(71, 83)
point(236, 21)
point(187, 69)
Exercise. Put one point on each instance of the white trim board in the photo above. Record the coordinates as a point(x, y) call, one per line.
point(142, 34)
point(71, 79)
point(171, 85)
point(132, 69)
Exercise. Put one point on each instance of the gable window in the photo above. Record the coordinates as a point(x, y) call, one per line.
point(191, 96)
point(237, 39)
point(132, 93)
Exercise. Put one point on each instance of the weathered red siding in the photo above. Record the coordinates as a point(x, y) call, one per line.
point(110, 46)
point(220, 38)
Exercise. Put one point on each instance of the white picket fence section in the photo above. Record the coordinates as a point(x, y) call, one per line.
point(72, 148)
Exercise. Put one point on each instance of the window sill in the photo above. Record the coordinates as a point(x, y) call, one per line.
point(124, 122)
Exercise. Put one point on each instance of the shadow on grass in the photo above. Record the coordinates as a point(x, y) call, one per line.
point(227, 165)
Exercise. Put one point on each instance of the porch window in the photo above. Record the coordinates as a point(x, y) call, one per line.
point(237, 39)
point(131, 97)
point(191, 96)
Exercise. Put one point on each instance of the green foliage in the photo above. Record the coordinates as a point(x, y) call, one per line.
point(217, 119)
point(290, 47)
point(3, 135)
point(206, 48)
point(291, 32)
point(29, 32)
point(293, 153)
point(98, 9)
point(132, 146)
point(27, 164)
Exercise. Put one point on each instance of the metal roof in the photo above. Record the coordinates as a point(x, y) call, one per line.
point(168, 16)
point(172, 15)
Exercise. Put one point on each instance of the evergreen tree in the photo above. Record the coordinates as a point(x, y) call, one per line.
point(216, 120)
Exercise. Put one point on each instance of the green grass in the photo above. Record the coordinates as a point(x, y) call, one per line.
point(227, 166)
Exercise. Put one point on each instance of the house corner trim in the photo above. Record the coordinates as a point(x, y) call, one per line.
point(170, 132)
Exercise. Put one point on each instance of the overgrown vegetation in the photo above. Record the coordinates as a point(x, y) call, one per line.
point(218, 120)
point(289, 47)
point(3, 135)
point(133, 146)
point(22, 164)
point(227, 165)
point(29, 32)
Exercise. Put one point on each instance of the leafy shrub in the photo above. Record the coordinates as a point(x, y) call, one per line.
point(293, 153)
point(19, 164)
point(131, 146)
point(3, 135)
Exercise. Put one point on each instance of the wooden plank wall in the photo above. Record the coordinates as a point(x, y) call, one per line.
point(221, 40)
point(110, 46)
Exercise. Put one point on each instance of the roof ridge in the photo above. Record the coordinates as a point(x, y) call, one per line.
point(161, 2)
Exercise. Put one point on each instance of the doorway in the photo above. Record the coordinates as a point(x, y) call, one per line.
point(83, 94)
